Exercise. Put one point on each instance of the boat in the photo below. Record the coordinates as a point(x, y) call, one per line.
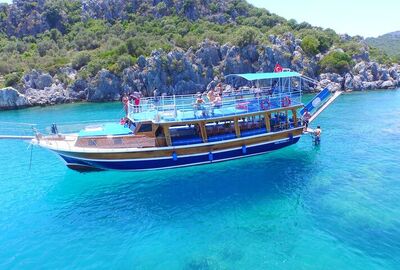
point(162, 132)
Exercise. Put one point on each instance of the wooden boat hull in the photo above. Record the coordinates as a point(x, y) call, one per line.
point(174, 157)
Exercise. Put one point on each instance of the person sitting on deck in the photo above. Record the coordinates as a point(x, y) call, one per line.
point(306, 118)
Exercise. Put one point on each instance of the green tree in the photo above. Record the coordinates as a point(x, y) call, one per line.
point(245, 36)
point(12, 79)
point(336, 61)
point(80, 60)
point(310, 45)
point(136, 46)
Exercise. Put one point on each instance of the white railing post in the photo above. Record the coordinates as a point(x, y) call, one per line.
point(175, 111)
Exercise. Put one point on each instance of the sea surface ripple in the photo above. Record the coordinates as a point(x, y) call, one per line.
point(335, 206)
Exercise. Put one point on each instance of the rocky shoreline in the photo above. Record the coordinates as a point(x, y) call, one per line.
point(185, 72)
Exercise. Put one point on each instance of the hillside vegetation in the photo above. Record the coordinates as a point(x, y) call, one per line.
point(90, 35)
point(60, 51)
point(388, 43)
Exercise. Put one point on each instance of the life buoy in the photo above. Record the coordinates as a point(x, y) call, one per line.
point(265, 104)
point(286, 102)
point(122, 121)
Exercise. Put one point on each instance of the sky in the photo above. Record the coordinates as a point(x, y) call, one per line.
point(368, 18)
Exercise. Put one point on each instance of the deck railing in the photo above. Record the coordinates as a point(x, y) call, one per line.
point(184, 107)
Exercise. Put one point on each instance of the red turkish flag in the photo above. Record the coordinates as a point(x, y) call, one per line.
point(278, 68)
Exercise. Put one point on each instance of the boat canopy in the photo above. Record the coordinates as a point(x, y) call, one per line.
point(265, 76)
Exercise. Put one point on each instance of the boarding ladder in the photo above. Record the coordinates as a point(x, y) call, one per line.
point(328, 102)
point(320, 102)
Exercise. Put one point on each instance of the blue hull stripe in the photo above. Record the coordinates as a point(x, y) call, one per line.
point(182, 161)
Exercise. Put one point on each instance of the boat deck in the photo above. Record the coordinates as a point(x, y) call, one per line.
point(184, 108)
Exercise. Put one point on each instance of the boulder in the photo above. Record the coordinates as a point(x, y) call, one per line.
point(37, 80)
point(357, 83)
point(360, 67)
point(387, 85)
point(370, 85)
point(208, 53)
point(43, 81)
point(10, 98)
point(69, 72)
point(29, 79)
point(334, 77)
point(394, 73)
point(384, 74)
point(348, 82)
point(55, 94)
point(335, 87)
point(104, 87)
point(224, 50)
point(141, 62)
point(375, 71)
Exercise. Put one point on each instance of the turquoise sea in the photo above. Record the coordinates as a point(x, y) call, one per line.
point(335, 206)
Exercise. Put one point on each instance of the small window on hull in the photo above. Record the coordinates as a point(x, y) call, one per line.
point(117, 140)
point(92, 142)
point(145, 128)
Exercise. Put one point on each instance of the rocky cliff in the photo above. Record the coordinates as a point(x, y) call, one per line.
point(178, 70)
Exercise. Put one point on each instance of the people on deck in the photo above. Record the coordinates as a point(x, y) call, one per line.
point(306, 118)
point(274, 87)
point(199, 105)
point(216, 103)
point(210, 95)
point(156, 96)
point(219, 89)
point(135, 97)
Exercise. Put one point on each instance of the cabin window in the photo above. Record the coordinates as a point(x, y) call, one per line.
point(182, 135)
point(117, 140)
point(145, 128)
point(92, 142)
point(221, 130)
point(279, 121)
point(252, 125)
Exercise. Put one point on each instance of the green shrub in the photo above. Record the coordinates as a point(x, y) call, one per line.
point(12, 79)
point(245, 36)
point(80, 60)
point(135, 46)
point(310, 45)
point(124, 61)
point(95, 66)
point(46, 46)
point(351, 47)
point(336, 61)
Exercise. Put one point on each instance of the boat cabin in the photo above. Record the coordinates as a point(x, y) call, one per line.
point(253, 104)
